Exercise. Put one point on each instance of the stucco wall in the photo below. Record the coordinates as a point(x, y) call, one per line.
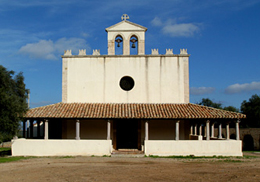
point(95, 79)
point(192, 147)
point(24, 147)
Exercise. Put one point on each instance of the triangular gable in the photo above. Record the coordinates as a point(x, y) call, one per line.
point(126, 25)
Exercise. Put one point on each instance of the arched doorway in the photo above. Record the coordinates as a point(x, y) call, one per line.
point(248, 142)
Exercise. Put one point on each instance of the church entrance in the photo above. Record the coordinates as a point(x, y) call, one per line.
point(127, 134)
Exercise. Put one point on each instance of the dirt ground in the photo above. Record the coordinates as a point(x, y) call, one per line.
point(131, 169)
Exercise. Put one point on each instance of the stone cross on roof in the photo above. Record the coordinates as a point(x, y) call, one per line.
point(124, 17)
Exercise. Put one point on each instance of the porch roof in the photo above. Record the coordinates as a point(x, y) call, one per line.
point(130, 111)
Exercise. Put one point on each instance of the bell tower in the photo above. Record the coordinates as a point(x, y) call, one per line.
point(126, 34)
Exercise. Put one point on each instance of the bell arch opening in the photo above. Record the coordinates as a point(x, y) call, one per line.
point(133, 45)
point(119, 45)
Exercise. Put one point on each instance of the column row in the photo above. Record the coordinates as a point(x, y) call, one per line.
point(193, 130)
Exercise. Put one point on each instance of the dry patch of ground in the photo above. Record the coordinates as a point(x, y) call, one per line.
point(132, 169)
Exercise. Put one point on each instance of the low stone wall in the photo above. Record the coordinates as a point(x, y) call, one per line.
point(193, 147)
point(254, 132)
point(27, 147)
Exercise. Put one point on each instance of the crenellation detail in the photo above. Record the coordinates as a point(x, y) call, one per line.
point(155, 52)
point(169, 52)
point(82, 52)
point(67, 53)
point(96, 52)
point(183, 51)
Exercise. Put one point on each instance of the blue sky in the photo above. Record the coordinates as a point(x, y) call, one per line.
point(222, 37)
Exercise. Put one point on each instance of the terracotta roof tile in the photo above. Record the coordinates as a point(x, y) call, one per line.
point(138, 111)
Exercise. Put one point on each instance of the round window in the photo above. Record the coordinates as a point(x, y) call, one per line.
point(127, 83)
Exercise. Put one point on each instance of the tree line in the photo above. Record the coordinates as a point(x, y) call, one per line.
point(250, 108)
point(13, 102)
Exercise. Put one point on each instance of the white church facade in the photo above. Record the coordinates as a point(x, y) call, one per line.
point(126, 102)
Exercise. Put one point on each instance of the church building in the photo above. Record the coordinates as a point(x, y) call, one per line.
point(127, 101)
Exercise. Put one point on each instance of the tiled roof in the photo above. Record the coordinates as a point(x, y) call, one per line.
point(130, 111)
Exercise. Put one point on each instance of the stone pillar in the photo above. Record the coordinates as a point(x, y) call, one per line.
point(46, 129)
point(200, 129)
point(126, 47)
point(207, 130)
point(28, 126)
point(177, 126)
point(141, 47)
point(111, 47)
point(220, 131)
point(237, 130)
point(191, 129)
point(212, 130)
point(195, 129)
point(146, 130)
point(31, 128)
point(77, 130)
point(23, 129)
point(108, 129)
point(227, 131)
point(38, 129)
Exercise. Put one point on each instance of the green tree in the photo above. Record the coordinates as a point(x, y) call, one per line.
point(209, 103)
point(231, 108)
point(252, 110)
point(13, 104)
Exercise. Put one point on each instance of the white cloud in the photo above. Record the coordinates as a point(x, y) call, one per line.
point(156, 22)
point(201, 90)
point(241, 88)
point(47, 49)
point(181, 30)
point(174, 29)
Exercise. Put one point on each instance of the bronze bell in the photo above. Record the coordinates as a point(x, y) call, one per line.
point(133, 42)
point(118, 42)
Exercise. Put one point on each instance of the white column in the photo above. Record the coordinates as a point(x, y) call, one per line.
point(177, 130)
point(195, 129)
point(46, 130)
point(191, 129)
point(237, 130)
point(220, 131)
point(212, 130)
point(207, 130)
point(200, 129)
point(146, 130)
point(77, 130)
point(108, 129)
point(227, 131)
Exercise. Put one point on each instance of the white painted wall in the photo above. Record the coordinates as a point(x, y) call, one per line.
point(95, 79)
point(192, 147)
point(24, 147)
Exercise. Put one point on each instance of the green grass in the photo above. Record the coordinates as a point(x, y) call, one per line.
point(11, 159)
point(190, 157)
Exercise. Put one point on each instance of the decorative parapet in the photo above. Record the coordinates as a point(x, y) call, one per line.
point(155, 52)
point(183, 51)
point(82, 52)
point(96, 52)
point(67, 53)
point(169, 52)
